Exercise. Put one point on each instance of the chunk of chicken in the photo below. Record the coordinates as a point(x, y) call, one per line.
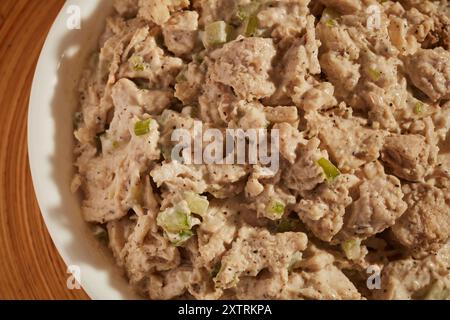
point(244, 65)
point(169, 285)
point(298, 64)
point(329, 283)
point(290, 138)
point(215, 10)
point(176, 176)
point(158, 11)
point(125, 94)
point(189, 84)
point(180, 32)
point(350, 143)
point(426, 222)
point(114, 181)
point(118, 233)
point(256, 249)
point(378, 205)
point(316, 277)
point(429, 70)
point(342, 72)
point(409, 156)
point(147, 251)
point(148, 64)
point(285, 21)
point(305, 174)
point(323, 209)
point(216, 232)
point(410, 279)
point(217, 103)
point(126, 8)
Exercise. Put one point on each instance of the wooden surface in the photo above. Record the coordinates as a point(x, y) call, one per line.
point(30, 266)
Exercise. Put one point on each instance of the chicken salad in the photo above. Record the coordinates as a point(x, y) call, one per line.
point(359, 92)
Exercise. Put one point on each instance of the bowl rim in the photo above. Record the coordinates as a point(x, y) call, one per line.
point(43, 90)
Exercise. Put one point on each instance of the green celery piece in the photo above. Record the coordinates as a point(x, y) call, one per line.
point(276, 208)
point(247, 10)
point(196, 203)
point(216, 33)
point(375, 75)
point(329, 17)
point(352, 248)
point(142, 128)
point(183, 237)
point(137, 63)
point(418, 108)
point(174, 220)
point(330, 170)
point(251, 27)
point(286, 225)
point(331, 23)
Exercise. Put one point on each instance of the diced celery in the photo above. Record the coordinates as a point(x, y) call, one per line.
point(330, 13)
point(196, 203)
point(182, 237)
point(418, 108)
point(177, 223)
point(330, 170)
point(330, 23)
point(276, 208)
point(137, 63)
point(329, 17)
point(247, 10)
point(251, 26)
point(216, 33)
point(352, 248)
point(138, 67)
point(142, 128)
point(374, 74)
point(174, 220)
point(286, 225)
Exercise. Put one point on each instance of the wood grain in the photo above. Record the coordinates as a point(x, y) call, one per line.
point(30, 266)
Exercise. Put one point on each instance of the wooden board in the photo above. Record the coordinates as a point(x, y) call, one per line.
point(30, 266)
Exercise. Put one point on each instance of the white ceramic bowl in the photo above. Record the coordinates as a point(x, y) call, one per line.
point(50, 140)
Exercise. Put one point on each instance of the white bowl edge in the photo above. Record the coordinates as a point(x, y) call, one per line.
point(50, 140)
